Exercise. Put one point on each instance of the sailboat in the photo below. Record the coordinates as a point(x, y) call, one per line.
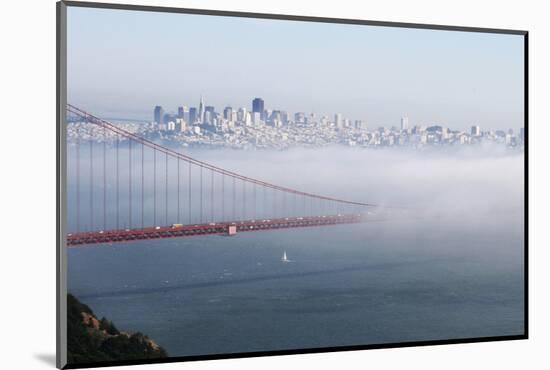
point(285, 258)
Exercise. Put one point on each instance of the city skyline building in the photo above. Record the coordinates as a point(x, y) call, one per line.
point(209, 114)
point(201, 111)
point(227, 112)
point(404, 123)
point(258, 106)
point(299, 117)
point(192, 115)
point(241, 114)
point(182, 110)
point(338, 120)
point(158, 114)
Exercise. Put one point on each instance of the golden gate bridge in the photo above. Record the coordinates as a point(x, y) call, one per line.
point(117, 196)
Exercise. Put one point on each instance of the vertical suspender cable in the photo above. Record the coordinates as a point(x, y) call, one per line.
point(154, 187)
point(142, 187)
point(104, 178)
point(284, 204)
point(223, 196)
point(200, 218)
point(130, 183)
point(189, 193)
point(211, 196)
point(117, 182)
point(254, 202)
point(91, 178)
point(179, 190)
point(244, 201)
point(264, 208)
point(166, 193)
point(78, 176)
point(234, 199)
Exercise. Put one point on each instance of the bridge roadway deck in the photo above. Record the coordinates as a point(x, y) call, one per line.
point(220, 228)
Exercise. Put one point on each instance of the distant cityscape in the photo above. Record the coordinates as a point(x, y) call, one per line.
point(261, 128)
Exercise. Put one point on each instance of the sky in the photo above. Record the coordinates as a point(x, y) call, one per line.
point(122, 63)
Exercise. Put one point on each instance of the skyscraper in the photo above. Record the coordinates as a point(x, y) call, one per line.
point(158, 114)
point(476, 131)
point(275, 115)
point(227, 113)
point(258, 106)
point(284, 117)
point(241, 114)
point(182, 110)
point(192, 115)
point(338, 120)
point(201, 111)
point(404, 123)
point(299, 117)
point(168, 117)
point(209, 112)
point(207, 118)
point(256, 118)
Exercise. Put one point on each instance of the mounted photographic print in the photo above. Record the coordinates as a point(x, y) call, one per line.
point(236, 184)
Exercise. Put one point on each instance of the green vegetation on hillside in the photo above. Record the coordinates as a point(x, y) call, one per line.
point(92, 340)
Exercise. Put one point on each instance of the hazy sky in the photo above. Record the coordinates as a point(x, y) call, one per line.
point(123, 63)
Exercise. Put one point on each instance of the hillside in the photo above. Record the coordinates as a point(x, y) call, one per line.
point(92, 340)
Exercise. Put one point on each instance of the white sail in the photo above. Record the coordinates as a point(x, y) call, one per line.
point(284, 258)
